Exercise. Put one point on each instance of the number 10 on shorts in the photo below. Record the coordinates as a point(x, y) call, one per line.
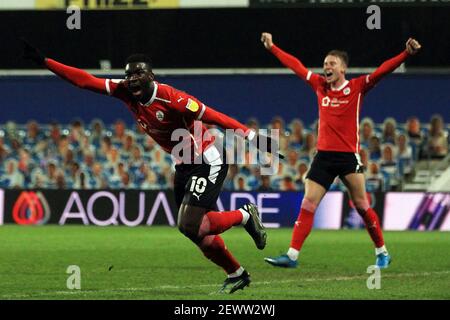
point(198, 184)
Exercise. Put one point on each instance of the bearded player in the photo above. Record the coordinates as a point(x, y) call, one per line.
point(161, 109)
point(339, 103)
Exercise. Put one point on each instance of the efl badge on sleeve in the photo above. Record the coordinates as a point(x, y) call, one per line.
point(192, 105)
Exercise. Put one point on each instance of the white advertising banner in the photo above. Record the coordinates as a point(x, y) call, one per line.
point(417, 211)
point(17, 5)
point(329, 213)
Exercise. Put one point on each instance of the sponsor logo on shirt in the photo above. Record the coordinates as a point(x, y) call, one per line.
point(335, 102)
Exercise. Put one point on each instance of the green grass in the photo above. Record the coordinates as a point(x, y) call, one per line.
point(160, 263)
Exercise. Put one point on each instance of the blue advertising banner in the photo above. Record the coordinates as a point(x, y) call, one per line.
point(280, 209)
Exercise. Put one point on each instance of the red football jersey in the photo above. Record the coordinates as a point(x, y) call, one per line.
point(339, 111)
point(169, 109)
point(339, 108)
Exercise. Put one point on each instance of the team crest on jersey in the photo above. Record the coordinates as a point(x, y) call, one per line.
point(159, 115)
point(347, 91)
point(192, 105)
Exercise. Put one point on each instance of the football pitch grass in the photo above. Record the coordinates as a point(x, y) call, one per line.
point(160, 263)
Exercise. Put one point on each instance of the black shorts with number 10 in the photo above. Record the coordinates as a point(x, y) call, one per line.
point(199, 184)
point(327, 165)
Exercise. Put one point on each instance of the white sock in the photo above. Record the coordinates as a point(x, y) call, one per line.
point(382, 250)
point(245, 216)
point(237, 273)
point(293, 254)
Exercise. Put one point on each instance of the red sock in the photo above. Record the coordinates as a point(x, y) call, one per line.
point(215, 250)
point(303, 225)
point(373, 226)
point(217, 222)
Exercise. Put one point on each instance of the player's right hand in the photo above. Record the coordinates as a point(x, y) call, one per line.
point(266, 39)
point(32, 53)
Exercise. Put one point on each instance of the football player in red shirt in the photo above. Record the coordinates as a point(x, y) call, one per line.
point(162, 110)
point(339, 102)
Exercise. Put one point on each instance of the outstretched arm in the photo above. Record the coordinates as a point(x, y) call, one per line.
point(212, 116)
point(262, 142)
point(194, 109)
point(412, 47)
point(77, 77)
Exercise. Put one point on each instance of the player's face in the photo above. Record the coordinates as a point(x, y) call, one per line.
point(333, 69)
point(140, 79)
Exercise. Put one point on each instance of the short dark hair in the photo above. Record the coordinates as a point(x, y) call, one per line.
point(340, 54)
point(139, 57)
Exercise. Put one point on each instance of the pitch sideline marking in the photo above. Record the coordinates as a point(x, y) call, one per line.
point(344, 278)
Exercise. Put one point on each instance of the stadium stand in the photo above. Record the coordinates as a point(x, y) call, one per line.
point(94, 156)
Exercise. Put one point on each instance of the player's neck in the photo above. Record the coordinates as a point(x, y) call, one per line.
point(338, 83)
point(148, 94)
point(145, 99)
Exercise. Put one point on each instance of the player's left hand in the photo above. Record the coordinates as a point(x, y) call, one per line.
point(412, 46)
point(266, 39)
point(267, 144)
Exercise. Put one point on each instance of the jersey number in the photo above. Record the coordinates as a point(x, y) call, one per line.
point(198, 184)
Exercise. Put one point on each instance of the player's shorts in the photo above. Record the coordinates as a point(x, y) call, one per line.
point(200, 184)
point(327, 165)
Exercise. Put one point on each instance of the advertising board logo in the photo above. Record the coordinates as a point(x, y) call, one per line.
point(31, 208)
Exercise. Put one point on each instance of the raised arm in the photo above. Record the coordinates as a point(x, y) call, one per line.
point(289, 60)
point(412, 47)
point(285, 58)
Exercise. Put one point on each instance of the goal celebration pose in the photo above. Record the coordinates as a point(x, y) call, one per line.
point(161, 109)
point(339, 101)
